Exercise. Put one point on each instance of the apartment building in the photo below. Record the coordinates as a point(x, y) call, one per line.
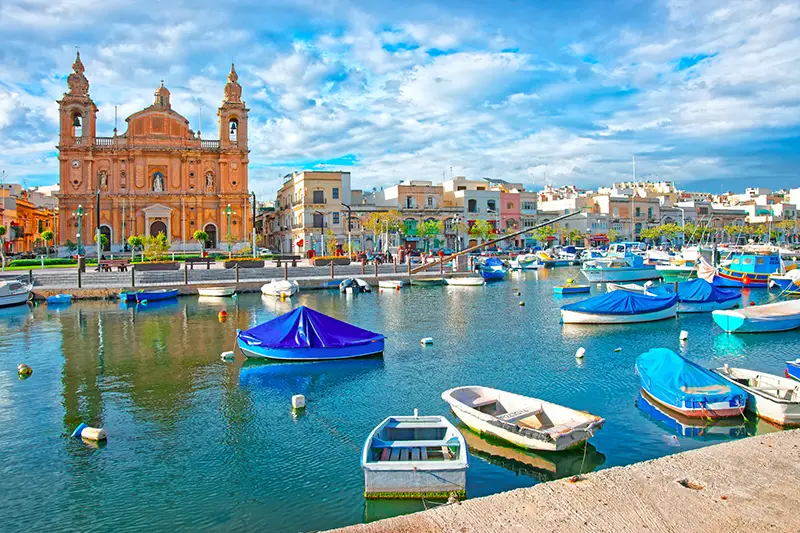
point(26, 214)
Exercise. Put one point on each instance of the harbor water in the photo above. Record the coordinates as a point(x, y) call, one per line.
point(195, 442)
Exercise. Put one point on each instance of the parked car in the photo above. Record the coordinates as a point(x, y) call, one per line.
point(263, 252)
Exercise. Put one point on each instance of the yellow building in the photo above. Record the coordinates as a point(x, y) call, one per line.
point(309, 205)
point(24, 220)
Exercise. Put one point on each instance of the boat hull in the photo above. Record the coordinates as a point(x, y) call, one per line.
point(726, 277)
point(59, 299)
point(415, 483)
point(390, 284)
point(604, 275)
point(713, 410)
point(706, 307)
point(493, 275)
point(311, 354)
point(13, 299)
point(465, 282)
point(216, 291)
point(576, 317)
point(427, 282)
point(781, 413)
point(792, 370)
point(280, 289)
point(156, 296)
point(734, 322)
point(576, 289)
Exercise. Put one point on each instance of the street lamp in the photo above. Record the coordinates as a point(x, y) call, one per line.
point(55, 229)
point(229, 212)
point(254, 219)
point(80, 213)
point(322, 231)
point(349, 229)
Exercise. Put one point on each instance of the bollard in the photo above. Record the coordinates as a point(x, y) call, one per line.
point(408, 263)
point(237, 271)
point(30, 276)
point(331, 268)
point(395, 264)
point(185, 274)
point(42, 258)
point(441, 268)
point(362, 266)
point(286, 271)
point(133, 276)
point(376, 271)
point(79, 277)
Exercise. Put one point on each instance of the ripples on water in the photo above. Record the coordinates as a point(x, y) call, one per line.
point(196, 443)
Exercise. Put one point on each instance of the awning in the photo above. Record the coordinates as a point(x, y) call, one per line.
point(599, 237)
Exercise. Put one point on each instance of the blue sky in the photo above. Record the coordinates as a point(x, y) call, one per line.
point(701, 92)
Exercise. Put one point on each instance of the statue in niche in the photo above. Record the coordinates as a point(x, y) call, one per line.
point(103, 179)
point(210, 180)
point(158, 182)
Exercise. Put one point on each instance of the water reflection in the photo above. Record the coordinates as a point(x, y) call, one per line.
point(701, 428)
point(540, 465)
point(305, 377)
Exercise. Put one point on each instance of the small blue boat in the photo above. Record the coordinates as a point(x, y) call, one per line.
point(492, 269)
point(308, 335)
point(695, 428)
point(683, 386)
point(571, 289)
point(788, 283)
point(793, 369)
point(767, 318)
point(59, 299)
point(700, 296)
point(155, 295)
point(749, 269)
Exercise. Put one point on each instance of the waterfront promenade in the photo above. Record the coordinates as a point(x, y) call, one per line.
point(750, 485)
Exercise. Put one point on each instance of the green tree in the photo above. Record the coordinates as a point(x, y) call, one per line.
point(103, 241)
point(155, 247)
point(652, 234)
point(330, 242)
point(541, 234)
point(481, 229)
point(612, 235)
point(575, 236)
point(201, 237)
point(48, 236)
point(429, 229)
point(135, 242)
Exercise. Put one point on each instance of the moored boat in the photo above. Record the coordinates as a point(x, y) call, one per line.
point(524, 262)
point(282, 288)
point(700, 296)
point(491, 269)
point(472, 281)
point(356, 284)
point(415, 457)
point(789, 282)
point(630, 287)
point(631, 267)
point(793, 369)
point(683, 386)
point(620, 307)
point(307, 335)
point(156, 295)
point(684, 426)
point(570, 287)
point(216, 291)
point(14, 292)
point(524, 421)
point(59, 299)
point(426, 282)
point(773, 398)
point(779, 316)
point(393, 284)
point(752, 268)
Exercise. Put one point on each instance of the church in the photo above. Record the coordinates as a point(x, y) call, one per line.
point(159, 176)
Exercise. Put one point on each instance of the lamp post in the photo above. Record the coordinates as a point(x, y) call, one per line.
point(80, 212)
point(229, 212)
point(254, 222)
point(322, 231)
point(55, 230)
point(349, 229)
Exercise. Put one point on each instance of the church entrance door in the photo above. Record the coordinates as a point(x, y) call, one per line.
point(211, 230)
point(158, 227)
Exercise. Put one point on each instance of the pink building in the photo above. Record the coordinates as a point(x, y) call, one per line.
point(510, 213)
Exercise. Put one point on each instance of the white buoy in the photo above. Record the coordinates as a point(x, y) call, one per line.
point(416, 412)
point(684, 335)
point(580, 353)
point(227, 356)
point(298, 401)
point(426, 340)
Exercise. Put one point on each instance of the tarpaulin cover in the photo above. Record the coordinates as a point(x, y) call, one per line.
point(670, 377)
point(623, 303)
point(493, 262)
point(698, 291)
point(306, 328)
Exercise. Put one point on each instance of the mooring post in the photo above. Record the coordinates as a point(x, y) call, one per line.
point(362, 266)
point(237, 271)
point(395, 264)
point(331, 268)
point(286, 271)
point(376, 270)
point(441, 268)
point(408, 264)
point(79, 276)
point(30, 276)
point(133, 276)
point(185, 274)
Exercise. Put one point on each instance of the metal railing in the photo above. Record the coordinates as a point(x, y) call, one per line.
point(103, 141)
point(209, 145)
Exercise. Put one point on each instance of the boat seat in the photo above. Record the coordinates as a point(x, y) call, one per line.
point(483, 401)
point(519, 414)
point(385, 454)
point(405, 454)
point(395, 456)
point(559, 428)
point(415, 454)
point(423, 453)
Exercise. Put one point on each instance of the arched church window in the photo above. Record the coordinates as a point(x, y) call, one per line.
point(233, 129)
point(158, 182)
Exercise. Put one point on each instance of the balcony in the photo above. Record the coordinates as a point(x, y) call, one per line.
point(209, 145)
point(104, 141)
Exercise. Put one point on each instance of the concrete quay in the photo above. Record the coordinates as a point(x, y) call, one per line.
point(750, 486)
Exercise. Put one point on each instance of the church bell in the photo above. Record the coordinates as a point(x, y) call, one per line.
point(77, 121)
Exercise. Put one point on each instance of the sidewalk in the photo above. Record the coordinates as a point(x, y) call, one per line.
point(748, 486)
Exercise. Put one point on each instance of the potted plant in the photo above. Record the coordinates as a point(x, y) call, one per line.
point(244, 262)
point(155, 248)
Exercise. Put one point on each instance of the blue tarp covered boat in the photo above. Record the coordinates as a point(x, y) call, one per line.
point(59, 299)
point(155, 295)
point(700, 296)
point(683, 386)
point(308, 335)
point(492, 269)
point(620, 307)
point(683, 426)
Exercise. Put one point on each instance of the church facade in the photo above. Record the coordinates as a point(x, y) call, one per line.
point(159, 176)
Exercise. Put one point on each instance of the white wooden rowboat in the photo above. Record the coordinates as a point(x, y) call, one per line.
point(281, 288)
point(465, 282)
point(217, 291)
point(523, 421)
point(773, 398)
point(392, 284)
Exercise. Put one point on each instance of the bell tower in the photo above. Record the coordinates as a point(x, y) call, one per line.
point(77, 112)
point(233, 115)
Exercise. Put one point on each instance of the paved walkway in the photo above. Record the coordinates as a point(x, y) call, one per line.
point(748, 486)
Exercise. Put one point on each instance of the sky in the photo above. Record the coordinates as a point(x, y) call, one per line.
point(704, 93)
